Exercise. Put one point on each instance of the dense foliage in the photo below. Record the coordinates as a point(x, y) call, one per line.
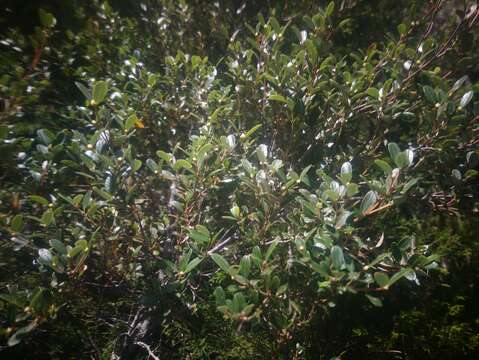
point(239, 180)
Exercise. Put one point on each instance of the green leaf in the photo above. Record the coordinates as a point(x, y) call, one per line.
point(235, 211)
point(84, 90)
point(103, 194)
point(45, 136)
point(399, 275)
point(278, 97)
point(136, 165)
point(58, 246)
point(303, 177)
point(375, 301)
point(100, 89)
point(409, 185)
point(256, 253)
point(450, 108)
point(270, 250)
point(382, 279)
point(221, 262)
point(384, 166)
point(403, 159)
point(86, 200)
point(130, 122)
point(17, 223)
point(250, 132)
point(466, 98)
point(164, 155)
point(47, 217)
point(352, 189)
point(282, 289)
point(37, 302)
point(220, 296)
point(152, 165)
point(337, 257)
point(245, 265)
point(368, 201)
point(373, 92)
point(394, 150)
point(199, 236)
point(192, 264)
point(182, 164)
point(377, 260)
point(46, 19)
point(329, 10)
point(430, 94)
point(402, 29)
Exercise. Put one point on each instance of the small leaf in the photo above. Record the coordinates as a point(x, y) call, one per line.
point(346, 172)
point(100, 89)
point(329, 10)
point(235, 211)
point(245, 265)
point(409, 185)
point(103, 194)
point(375, 301)
point(399, 275)
point(86, 200)
point(221, 262)
point(402, 160)
point(337, 257)
point(47, 217)
point(192, 264)
point(84, 90)
point(368, 201)
point(341, 218)
point(277, 97)
point(394, 150)
point(373, 92)
point(450, 108)
point(45, 136)
point(164, 155)
point(282, 289)
point(352, 189)
point(58, 246)
point(430, 94)
point(256, 253)
point(152, 165)
point(199, 236)
point(17, 223)
point(220, 296)
point(270, 250)
point(130, 122)
point(182, 164)
point(382, 279)
point(46, 19)
point(402, 29)
point(250, 131)
point(466, 98)
point(384, 166)
point(136, 165)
